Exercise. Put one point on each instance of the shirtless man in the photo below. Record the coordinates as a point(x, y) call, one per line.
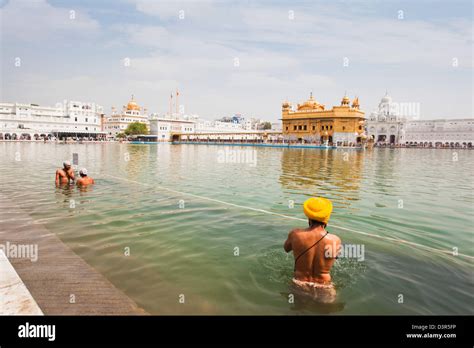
point(84, 180)
point(65, 175)
point(315, 251)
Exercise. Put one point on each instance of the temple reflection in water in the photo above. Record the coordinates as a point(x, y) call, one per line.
point(321, 171)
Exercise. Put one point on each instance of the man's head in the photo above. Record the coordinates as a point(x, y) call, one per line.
point(318, 210)
point(67, 165)
point(83, 172)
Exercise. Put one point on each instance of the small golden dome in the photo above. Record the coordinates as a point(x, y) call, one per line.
point(345, 100)
point(132, 105)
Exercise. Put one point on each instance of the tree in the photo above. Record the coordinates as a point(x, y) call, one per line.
point(136, 128)
point(267, 125)
point(121, 135)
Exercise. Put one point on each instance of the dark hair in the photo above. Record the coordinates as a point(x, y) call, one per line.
point(314, 223)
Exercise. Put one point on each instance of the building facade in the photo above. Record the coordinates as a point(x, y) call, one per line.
point(119, 121)
point(33, 122)
point(163, 127)
point(312, 122)
point(385, 125)
point(440, 133)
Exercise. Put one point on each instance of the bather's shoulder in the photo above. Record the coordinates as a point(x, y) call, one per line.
point(294, 232)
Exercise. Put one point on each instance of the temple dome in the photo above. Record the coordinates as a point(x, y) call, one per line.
point(132, 105)
point(345, 101)
point(386, 99)
point(310, 104)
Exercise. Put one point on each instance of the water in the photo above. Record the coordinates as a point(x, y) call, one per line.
point(419, 195)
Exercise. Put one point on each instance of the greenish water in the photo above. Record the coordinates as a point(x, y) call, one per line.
point(417, 195)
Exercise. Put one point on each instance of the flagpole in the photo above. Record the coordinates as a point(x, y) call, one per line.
point(177, 94)
point(171, 101)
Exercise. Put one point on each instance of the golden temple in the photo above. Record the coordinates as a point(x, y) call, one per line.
point(312, 122)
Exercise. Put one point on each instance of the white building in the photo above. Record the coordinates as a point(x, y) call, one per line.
point(163, 127)
point(119, 121)
point(441, 132)
point(205, 126)
point(67, 119)
point(385, 125)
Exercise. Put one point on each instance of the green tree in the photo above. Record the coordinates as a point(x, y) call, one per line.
point(267, 125)
point(136, 128)
point(121, 135)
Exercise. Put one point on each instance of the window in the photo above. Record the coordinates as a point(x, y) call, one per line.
point(330, 127)
point(343, 127)
point(327, 127)
point(86, 119)
point(322, 127)
point(75, 119)
point(300, 127)
point(286, 128)
point(294, 127)
point(314, 127)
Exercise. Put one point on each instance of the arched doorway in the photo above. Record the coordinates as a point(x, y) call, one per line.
point(392, 139)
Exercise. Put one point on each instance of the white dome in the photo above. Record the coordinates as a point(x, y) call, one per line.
point(386, 99)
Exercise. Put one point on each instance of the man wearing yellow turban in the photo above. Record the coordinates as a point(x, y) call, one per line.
point(315, 251)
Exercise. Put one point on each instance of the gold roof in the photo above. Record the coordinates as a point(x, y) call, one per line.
point(310, 104)
point(132, 105)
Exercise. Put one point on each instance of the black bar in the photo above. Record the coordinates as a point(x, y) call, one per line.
point(241, 330)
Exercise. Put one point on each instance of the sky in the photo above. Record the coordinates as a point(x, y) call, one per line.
point(227, 57)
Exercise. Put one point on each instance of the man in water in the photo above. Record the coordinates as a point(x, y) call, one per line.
point(315, 251)
point(65, 174)
point(84, 180)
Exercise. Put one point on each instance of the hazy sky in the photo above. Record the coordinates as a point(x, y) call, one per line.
point(285, 49)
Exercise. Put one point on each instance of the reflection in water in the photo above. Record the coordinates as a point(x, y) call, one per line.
point(136, 160)
point(316, 171)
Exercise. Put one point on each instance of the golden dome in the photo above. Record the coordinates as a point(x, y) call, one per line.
point(132, 105)
point(345, 100)
point(310, 104)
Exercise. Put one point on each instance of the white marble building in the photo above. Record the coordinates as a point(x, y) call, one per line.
point(163, 126)
point(67, 119)
point(442, 132)
point(385, 124)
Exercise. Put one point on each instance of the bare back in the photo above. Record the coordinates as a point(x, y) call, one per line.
point(314, 264)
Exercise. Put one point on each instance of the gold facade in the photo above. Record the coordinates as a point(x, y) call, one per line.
point(311, 122)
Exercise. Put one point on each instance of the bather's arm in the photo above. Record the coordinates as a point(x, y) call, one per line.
point(287, 246)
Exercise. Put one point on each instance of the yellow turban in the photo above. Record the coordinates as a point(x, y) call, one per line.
point(318, 209)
